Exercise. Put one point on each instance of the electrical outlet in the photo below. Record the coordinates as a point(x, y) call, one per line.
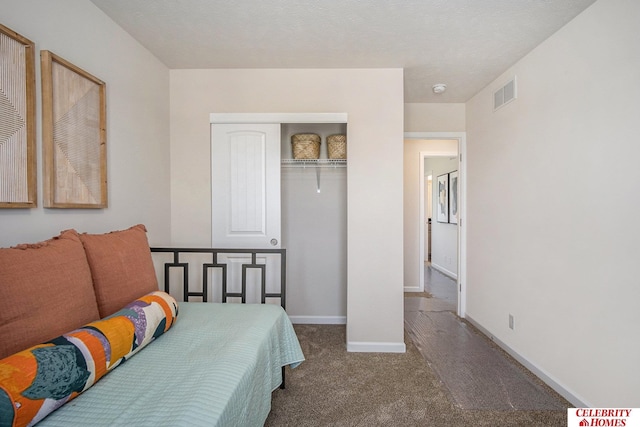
point(511, 322)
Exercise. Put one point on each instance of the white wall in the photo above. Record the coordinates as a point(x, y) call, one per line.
point(412, 236)
point(422, 117)
point(137, 121)
point(373, 100)
point(552, 203)
point(444, 236)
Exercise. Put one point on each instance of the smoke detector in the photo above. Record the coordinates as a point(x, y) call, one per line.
point(439, 88)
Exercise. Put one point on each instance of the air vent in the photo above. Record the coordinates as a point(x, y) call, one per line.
point(505, 94)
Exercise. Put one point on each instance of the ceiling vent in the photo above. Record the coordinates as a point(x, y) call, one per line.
point(505, 94)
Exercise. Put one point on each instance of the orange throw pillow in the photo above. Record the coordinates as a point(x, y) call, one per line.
point(121, 267)
point(45, 290)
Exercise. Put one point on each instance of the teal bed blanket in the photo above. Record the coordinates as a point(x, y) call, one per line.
point(217, 366)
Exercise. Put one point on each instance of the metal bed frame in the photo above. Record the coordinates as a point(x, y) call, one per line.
point(206, 266)
point(223, 266)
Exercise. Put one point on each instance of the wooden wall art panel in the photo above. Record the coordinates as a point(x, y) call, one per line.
point(73, 135)
point(17, 121)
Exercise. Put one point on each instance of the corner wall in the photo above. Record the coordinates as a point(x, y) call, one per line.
point(552, 185)
point(373, 100)
point(137, 121)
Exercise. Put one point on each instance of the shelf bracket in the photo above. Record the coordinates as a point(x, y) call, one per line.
point(317, 180)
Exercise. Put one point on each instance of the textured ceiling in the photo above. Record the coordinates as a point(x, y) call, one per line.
point(463, 43)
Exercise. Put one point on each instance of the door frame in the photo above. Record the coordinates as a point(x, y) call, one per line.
point(462, 194)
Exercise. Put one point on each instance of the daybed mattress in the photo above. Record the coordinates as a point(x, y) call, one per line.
point(217, 366)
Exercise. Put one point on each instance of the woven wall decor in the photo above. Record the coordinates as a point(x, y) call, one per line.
point(17, 121)
point(73, 135)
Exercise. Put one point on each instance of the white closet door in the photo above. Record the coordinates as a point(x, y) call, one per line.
point(245, 185)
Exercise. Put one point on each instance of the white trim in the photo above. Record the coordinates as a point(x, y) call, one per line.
point(547, 378)
point(376, 347)
point(444, 271)
point(421, 215)
point(435, 135)
point(414, 288)
point(278, 118)
point(318, 320)
point(462, 217)
point(462, 231)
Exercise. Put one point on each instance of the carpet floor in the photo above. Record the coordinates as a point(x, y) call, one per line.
point(336, 388)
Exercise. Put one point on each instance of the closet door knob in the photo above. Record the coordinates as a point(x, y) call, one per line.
point(274, 242)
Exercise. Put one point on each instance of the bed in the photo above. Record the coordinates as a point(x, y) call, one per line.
point(153, 361)
point(217, 366)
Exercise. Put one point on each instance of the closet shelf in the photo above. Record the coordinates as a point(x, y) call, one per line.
point(314, 163)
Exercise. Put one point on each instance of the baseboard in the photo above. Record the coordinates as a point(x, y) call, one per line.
point(412, 289)
point(548, 379)
point(376, 347)
point(444, 271)
point(318, 320)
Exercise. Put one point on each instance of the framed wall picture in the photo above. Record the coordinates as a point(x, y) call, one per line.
point(18, 179)
point(442, 203)
point(453, 197)
point(74, 141)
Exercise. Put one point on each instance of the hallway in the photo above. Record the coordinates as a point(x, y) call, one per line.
point(477, 373)
point(440, 286)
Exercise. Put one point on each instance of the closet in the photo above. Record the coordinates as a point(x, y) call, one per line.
point(313, 209)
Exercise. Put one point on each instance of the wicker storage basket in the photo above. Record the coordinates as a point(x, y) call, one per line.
point(337, 146)
point(305, 146)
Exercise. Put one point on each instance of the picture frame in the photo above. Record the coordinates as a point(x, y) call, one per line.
point(74, 143)
point(18, 176)
point(453, 197)
point(442, 200)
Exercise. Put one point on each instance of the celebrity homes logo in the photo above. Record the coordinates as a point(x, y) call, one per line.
point(603, 417)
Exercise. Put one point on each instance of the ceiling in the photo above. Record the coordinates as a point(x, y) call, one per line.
point(465, 44)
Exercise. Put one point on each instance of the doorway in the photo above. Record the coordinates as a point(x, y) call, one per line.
point(458, 141)
point(440, 211)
